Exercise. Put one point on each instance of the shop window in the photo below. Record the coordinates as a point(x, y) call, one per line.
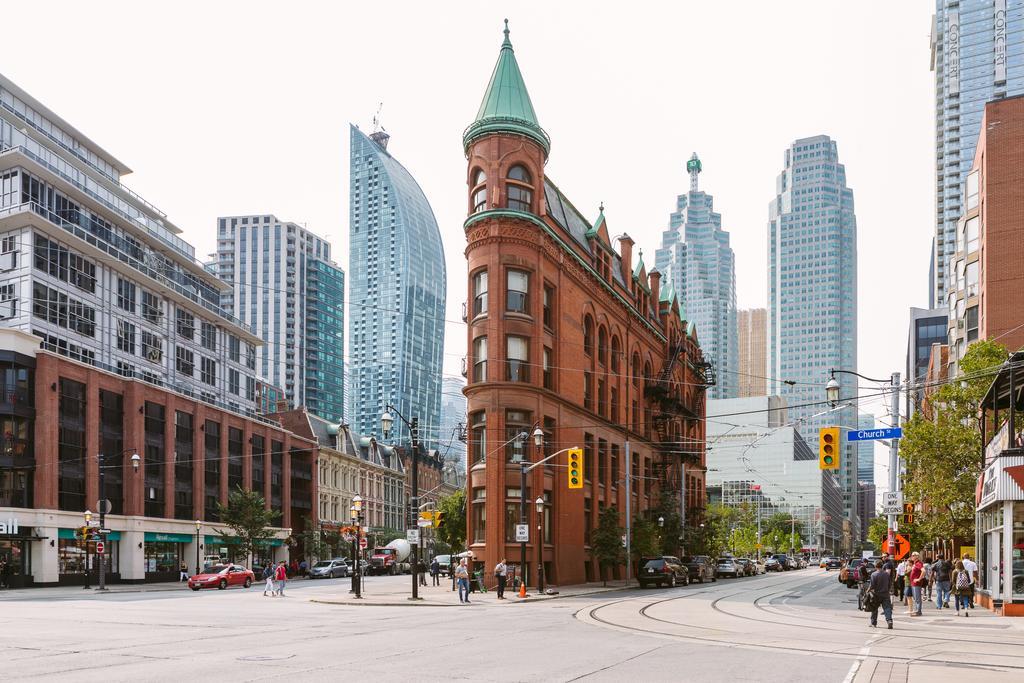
point(162, 557)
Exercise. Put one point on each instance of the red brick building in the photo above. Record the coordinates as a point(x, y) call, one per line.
point(567, 334)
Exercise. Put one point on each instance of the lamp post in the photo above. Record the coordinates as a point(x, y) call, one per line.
point(88, 518)
point(524, 467)
point(356, 511)
point(199, 524)
point(540, 543)
point(414, 430)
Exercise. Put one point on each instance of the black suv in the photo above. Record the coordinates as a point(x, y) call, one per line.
point(663, 571)
point(701, 568)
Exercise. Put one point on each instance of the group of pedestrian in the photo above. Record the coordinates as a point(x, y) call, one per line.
point(915, 580)
point(276, 578)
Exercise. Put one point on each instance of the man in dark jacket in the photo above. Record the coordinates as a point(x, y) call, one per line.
point(941, 572)
point(881, 585)
point(890, 568)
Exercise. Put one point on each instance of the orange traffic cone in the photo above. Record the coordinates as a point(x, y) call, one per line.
point(522, 589)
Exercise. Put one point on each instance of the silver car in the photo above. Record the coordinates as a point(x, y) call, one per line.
point(329, 569)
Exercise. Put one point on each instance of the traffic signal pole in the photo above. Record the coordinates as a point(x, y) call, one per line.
point(894, 453)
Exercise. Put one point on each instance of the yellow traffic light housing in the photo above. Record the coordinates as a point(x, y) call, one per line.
point(575, 468)
point(908, 513)
point(438, 519)
point(829, 444)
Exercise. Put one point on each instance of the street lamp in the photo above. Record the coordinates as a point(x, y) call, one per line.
point(540, 539)
point(523, 462)
point(354, 512)
point(88, 518)
point(832, 392)
point(661, 522)
point(198, 525)
point(386, 421)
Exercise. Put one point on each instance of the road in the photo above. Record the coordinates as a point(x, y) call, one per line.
point(794, 626)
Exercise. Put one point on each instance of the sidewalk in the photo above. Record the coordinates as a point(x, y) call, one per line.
point(81, 592)
point(444, 596)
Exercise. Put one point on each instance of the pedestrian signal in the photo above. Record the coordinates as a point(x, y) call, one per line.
point(828, 448)
point(908, 513)
point(575, 468)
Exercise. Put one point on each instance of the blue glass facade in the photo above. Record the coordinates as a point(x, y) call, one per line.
point(866, 452)
point(696, 256)
point(325, 340)
point(396, 294)
point(812, 293)
point(977, 55)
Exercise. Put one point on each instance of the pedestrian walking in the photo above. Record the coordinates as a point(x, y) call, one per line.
point(917, 583)
point(501, 573)
point(901, 581)
point(281, 578)
point(879, 596)
point(942, 572)
point(462, 577)
point(268, 577)
point(183, 572)
point(929, 581)
point(435, 572)
point(972, 569)
point(303, 567)
point(961, 587)
point(4, 572)
point(293, 568)
point(889, 567)
point(421, 570)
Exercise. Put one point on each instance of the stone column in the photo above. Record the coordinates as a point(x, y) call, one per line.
point(46, 434)
point(133, 557)
point(92, 442)
point(45, 570)
point(134, 437)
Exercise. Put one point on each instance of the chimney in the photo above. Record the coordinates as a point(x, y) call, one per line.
point(655, 278)
point(626, 252)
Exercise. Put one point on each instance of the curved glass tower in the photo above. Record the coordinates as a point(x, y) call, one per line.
point(396, 293)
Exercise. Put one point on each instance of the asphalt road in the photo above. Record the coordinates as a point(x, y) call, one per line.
point(793, 626)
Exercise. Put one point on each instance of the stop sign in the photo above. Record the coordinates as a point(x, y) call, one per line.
point(362, 542)
point(99, 547)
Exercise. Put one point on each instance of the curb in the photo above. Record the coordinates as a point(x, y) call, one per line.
point(517, 600)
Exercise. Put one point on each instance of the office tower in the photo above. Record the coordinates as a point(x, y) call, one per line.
point(696, 259)
point(451, 440)
point(977, 54)
point(866, 451)
point(284, 284)
point(752, 373)
point(766, 463)
point(866, 509)
point(812, 293)
point(397, 294)
point(927, 327)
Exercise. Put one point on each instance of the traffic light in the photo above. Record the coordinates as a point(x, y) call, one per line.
point(908, 513)
point(575, 468)
point(438, 519)
point(829, 439)
point(83, 533)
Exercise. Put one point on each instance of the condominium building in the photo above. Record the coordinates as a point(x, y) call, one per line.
point(752, 368)
point(927, 326)
point(695, 259)
point(977, 55)
point(397, 288)
point(285, 285)
point(812, 294)
point(452, 439)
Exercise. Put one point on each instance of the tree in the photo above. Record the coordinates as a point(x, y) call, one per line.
point(453, 524)
point(941, 455)
point(606, 541)
point(248, 519)
point(644, 540)
point(314, 544)
point(785, 523)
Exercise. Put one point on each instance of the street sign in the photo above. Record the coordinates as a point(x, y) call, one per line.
point(104, 532)
point(362, 542)
point(412, 535)
point(900, 547)
point(99, 547)
point(424, 522)
point(522, 533)
point(892, 503)
point(875, 434)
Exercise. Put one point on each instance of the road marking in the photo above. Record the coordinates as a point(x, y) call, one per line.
point(862, 654)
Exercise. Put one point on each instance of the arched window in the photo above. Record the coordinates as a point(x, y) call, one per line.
point(616, 352)
point(519, 192)
point(602, 346)
point(647, 371)
point(479, 191)
point(588, 335)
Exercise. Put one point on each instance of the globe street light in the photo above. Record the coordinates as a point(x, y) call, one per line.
point(540, 536)
point(88, 518)
point(832, 392)
point(199, 524)
point(386, 422)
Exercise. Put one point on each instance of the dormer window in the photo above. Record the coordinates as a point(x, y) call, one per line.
point(519, 189)
point(479, 192)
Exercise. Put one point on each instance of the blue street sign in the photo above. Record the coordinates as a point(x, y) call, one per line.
point(875, 434)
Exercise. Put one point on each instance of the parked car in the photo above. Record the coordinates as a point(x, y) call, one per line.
point(727, 566)
point(801, 563)
point(700, 568)
point(747, 566)
point(445, 561)
point(221, 576)
point(772, 564)
point(784, 563)
point(853, 571)
point(663, 571)
point(833, 563)
point(792, 562)
point(329, 569)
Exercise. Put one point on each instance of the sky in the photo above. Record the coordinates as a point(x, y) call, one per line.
point(243, 107)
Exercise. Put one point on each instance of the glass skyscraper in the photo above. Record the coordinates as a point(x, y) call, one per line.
point(285, 285)
point(695, 257)
point(977, 51)
point(396, 294)
point(812, 294)
point(866, 451)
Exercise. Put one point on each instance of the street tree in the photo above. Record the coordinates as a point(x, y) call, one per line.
point(644, 540)
point(248, 520)
point(453, 524)
point(606, 541)
point(313, 541)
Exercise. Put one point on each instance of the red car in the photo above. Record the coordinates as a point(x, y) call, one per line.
point(221, 576)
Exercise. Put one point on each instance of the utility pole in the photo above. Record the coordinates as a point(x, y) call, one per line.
point(414, 428)
point(894, 453)
point(102, 503)
point(629, 509)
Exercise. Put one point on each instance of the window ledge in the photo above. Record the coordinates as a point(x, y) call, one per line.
point(513, 315)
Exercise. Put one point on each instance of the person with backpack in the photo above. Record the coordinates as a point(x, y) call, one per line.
point(941, 573)
point(961, 587)
point(268, 576)
point(878, 595)
point(972, 570)
point(863, 580)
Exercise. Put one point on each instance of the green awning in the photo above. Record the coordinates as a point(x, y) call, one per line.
point(218, 540)
point(70, 534)
point(155, 537)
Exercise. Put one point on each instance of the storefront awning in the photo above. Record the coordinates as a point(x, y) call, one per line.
point(156, 537)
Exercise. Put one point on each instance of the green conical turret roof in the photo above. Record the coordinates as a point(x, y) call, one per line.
point(506, 107)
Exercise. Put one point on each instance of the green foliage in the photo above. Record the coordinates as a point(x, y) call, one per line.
point(644, 538)
point(248, 520)
point(606, 541)
point(942, 455)
point(784, 523)
point(313, 543)
point(452, 531)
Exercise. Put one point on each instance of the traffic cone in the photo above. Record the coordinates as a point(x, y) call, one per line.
point(522, 589)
